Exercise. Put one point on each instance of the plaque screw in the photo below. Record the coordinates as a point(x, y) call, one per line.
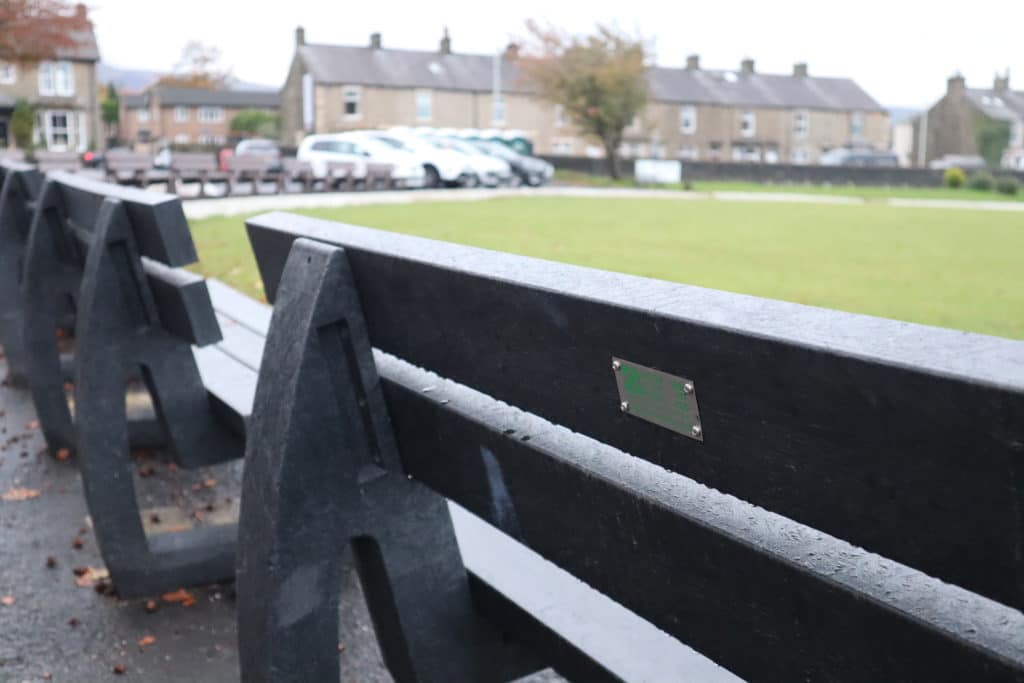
point(616, 365)
point(687, 388)
point(624, 406)
point(696, 430)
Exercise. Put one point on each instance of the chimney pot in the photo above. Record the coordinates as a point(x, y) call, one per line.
point(1002, 83)
point(956, 84)
point(800, 69)
point(747, 66)
point(375, 41)
point(693, 63)
point(512, 52)
point(300, 35)
point(446, 43)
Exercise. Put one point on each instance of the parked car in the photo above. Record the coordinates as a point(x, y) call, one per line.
point(527, 170)
point(407, 168)
point(261, 147)
point(487, 170)
point(967, 162)
point(441, 166)
point(319, 150)
point(845, 156)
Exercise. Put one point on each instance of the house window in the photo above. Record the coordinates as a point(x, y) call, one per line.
point(182, 139)
point(8, 73)
point(424, 105)
point(142, 115)
point(562, 146)
point(352, 105)
point(689, 153)
point(857, 125)
point(59, 130)
point(746, 153)
point(560, 118)
point(799, 156)
point(748, 123)
point(498, 110)
point(206, 139)
point(688, 120)
point(771, 156)
point(211, 114)
point(56, 79)
point(59, 134)
point(801, 123)
point(181, 114)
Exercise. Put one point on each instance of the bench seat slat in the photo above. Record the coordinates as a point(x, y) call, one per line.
point(230, 383)
point(904, 439)
point(242, 309)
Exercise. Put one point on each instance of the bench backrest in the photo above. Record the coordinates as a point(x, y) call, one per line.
point(248, 163)
point(119, 161)
point(842, 430)
point(378, 171)
point(194, 162)
point(19, 188)
point(295, 167)
point(57, 161)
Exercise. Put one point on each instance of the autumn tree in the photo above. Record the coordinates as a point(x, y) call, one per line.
point(39, 29)
point(599, 80)
point(110, 110)
point(199, 67)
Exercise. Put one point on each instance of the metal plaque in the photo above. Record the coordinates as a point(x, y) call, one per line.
point(666, 400)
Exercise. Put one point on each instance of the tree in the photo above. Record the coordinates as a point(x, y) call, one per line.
point(255, 122)
point(39, 29)
point(992, 138)
point(199, 67)
point(23, 121)
point(599, 80)
point(111, 108)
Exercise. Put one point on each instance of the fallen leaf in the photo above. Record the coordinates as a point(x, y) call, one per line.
point(63, 454)
point(90, 576)
point(119, 669)
point(73, 622)
point(32, 424)
point(51, 562)
point(14, 494)
point(152, 606)
point(210, 483)
point(147, 640)
point(7, 600)
point(76, 543)
point(181, 595)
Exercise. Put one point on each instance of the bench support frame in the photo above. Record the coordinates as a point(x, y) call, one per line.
point(17, 199)
point(321, 466)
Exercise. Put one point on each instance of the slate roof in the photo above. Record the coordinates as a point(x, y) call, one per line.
point(170, 96)
point(385, 67)
point(1007, 105)
point(83, 47)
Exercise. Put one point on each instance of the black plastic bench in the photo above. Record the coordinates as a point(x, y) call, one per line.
point(799, 494)
point(19, 188)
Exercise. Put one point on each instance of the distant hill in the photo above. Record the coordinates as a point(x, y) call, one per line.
point(134, 80)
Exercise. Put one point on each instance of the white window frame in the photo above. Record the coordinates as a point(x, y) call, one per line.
point(801, 123)
point(857, 125)
point(352, 94)
point(499, 114)
point(210, 114)
point(424, 105)
point(56, 79)
point(563, 146)
point(800, 156)
point(748, 123)
point(8, 73)
point(687, 119)
point(142, 115)
point(689, 153)
point(48, 130)
point(181, 114)
point(560, 119)
point(182, 139)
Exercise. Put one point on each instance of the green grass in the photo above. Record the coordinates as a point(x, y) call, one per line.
point(960, 269)
point(867, 193)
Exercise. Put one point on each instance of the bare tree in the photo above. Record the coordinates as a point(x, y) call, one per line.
point(199, 67)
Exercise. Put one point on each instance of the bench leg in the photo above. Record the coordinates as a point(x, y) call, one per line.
point(15, 218)
point(322, 470)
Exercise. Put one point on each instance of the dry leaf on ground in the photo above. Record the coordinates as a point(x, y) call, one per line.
point(15, 494)
point(181, 595)
point(89, 576)
point(147, 640)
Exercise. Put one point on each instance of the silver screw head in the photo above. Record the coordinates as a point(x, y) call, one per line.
point(616, 365)
point(687, 388)
point(696, 430)
point(624, 406)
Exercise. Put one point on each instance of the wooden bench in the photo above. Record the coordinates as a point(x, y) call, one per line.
point(293, 170)
point(57, 161)
point(19, 188)
point(132, 168)
point(197, 167)
point(378, 176)
point(797, 493)
point(111, 258)
point(251, 168)
point(340, 175)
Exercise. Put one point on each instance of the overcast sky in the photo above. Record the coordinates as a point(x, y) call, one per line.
point(900, 51)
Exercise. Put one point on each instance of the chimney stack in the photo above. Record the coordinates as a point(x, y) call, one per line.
point(300, 36)
point(81, 11)
point(1002, 83)
point(747, 66)
point(693, 63)
point(375, 41)
point(512, 52)
point(446, 42)
point(800, 69)
point(956, 85)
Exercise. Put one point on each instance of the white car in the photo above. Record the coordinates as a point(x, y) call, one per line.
point(319, 150)
point(441, 166)
point(489, 171)
point(407, 168)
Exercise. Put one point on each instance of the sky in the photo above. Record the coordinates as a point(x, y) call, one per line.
point(900, 51)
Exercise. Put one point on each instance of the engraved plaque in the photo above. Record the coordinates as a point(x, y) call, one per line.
point(666, 400)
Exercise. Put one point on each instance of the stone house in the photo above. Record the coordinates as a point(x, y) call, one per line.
point(62, 90)
point(164, 114)
point(951, 125)
point(693, 113)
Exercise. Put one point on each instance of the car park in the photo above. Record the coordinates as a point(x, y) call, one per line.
point(442, 166)
point(321, 150)
point(526, 170)
point(407, 168)
point(487, 170)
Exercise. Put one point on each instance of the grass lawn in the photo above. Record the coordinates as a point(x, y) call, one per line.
point(867, 193)
point(959, 269)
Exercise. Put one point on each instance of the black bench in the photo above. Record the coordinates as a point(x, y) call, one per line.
point(109, 258)
point(734, 528)
point(19, 188)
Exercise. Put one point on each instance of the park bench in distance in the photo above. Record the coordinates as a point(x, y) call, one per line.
point(48, 161)
point(110, 257)
point(253, 168)
point(200, 167)
point(293, 170)
point(132, 168)
point(19, 187)
point(724, 501)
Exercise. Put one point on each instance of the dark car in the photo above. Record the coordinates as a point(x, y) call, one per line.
point(528, 170)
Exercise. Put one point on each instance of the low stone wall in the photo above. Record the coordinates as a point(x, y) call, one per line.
point(778, 173)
